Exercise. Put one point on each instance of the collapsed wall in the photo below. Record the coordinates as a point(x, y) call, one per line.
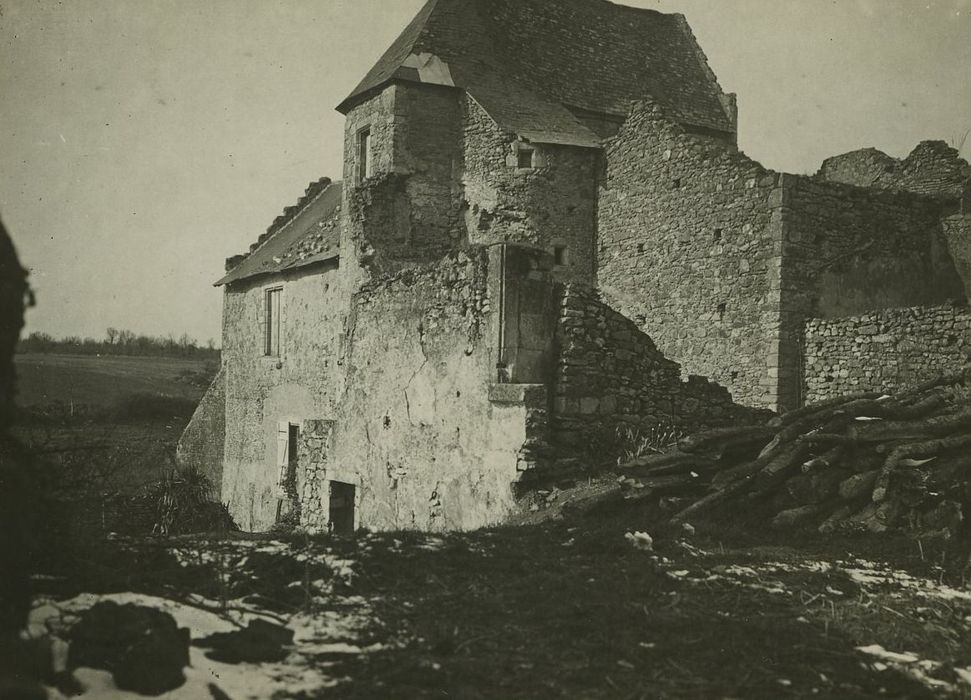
point(848, 251)
point(885, 350)
point(609, 376)
point(720, 261)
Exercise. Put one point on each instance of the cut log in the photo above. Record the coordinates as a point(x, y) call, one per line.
point(800, 413)
point(717, 440)
point(925, 428)
point(818, 418)
point(927, 448)
point(797, 516)
point(858, 485)
point(824, 461)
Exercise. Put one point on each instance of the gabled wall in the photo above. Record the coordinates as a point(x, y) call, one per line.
point(690, 250)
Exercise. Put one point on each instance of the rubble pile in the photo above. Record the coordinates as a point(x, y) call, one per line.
point(859, 462)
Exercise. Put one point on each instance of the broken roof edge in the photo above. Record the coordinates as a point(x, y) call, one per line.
point(727, 100)
point(320, 259)
point(303, 206)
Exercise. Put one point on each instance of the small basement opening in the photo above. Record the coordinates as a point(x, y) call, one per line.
point(341, 516)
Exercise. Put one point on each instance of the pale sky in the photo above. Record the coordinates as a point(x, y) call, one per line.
point(144, 141)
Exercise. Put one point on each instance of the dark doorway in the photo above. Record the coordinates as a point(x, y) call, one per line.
point(341, 508)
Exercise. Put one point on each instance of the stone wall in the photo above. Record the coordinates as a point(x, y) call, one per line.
point(611, 375)
point(884, 350)
point(850, 250)
point(202, 443)
point(720, 261)
point(689, 249)
point(553, 203)
point(305, 382)
point(933, 168)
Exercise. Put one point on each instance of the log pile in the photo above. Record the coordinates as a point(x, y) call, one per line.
point(858, 462)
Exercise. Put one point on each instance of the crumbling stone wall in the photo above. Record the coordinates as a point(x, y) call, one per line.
point(720, 261)
point(884, 350)
point(417, 433)
point(408, 208)
point(201, 444)
point(304, 383)
point(933, 168)
point(553, 203)
point(848, 251)
point(610, 374)
point(689, 249)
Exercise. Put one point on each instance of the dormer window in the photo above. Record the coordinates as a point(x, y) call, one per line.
point(363, 154)
point(525, 157)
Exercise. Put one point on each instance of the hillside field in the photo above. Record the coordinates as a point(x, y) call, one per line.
point(101, 381)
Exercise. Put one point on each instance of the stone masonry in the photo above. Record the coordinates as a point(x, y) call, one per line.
point(545, 233)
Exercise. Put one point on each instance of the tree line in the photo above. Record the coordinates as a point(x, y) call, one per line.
point(120, 342)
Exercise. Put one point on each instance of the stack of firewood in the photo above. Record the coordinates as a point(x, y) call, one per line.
point(864, 461)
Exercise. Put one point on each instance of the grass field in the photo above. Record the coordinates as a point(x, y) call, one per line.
point(101, 381)
point(105, 423)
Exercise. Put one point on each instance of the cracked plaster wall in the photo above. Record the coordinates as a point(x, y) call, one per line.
point(304, 383)
point(418, 435)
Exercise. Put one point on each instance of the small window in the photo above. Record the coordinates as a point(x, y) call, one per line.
point(676, 183)
point(363, 154)
point(718, 235)
point(525, 157)
point(640, 247)
point(271, 329)
point(722, 308)
point(560, 255)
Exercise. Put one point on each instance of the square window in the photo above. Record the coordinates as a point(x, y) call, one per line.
point(363, 154)
point(271, 322)
point(524, 157)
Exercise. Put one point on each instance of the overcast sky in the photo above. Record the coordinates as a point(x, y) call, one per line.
point(142, 142)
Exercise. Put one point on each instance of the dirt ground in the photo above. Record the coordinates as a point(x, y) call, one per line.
point(590, 606)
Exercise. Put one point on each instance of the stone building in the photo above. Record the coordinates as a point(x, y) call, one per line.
point(544, 232)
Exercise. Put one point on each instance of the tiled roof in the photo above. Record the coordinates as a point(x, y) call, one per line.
point(588, 54)
point(306, 233)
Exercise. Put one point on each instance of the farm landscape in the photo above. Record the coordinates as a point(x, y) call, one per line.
point(593, 593)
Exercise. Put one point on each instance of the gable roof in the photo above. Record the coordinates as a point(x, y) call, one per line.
point(592, 55)
point(307, 233)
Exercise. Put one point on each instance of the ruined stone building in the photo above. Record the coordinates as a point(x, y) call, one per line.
point(545, 231)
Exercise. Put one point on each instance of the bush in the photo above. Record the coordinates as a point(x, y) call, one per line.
point(186, 503)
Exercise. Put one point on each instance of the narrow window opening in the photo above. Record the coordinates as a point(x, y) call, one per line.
point(271, 330)
point(560, 255)
point(718, 235)
point(722, 308)
point(363, 154)
point(676, 183)
point(341, 515)
point(734, 375)
point(524, 157)
point(640, 247)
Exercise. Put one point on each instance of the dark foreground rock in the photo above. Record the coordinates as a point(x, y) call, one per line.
point(259, 642)
point(143, 648)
